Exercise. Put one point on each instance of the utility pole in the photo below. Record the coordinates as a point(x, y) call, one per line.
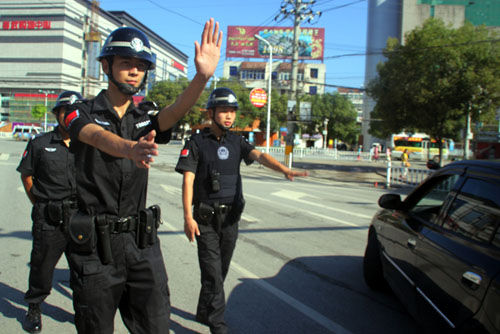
point(299, 10)
point(46, 92)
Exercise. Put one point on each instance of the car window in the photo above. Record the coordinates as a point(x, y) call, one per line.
point(431, 203)
point(475, 212)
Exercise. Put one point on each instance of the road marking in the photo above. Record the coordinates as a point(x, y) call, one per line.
point(170, 189)
point(4, 156)
point(295, 196)
point(304, 309)
point(309, 212)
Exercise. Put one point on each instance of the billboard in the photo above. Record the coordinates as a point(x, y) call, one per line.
point(241, 42)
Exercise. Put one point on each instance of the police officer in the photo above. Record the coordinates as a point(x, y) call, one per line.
point(114, 253)
point(213, 200)
point(47, 175)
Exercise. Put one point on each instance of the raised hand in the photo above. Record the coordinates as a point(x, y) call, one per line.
point(208, 53)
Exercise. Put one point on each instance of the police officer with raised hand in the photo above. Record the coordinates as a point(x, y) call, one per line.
point(213, 200)
point(114, 253)
point(47, 174)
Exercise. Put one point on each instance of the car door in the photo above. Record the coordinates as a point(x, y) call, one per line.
point(402, 229)
point(455, 259)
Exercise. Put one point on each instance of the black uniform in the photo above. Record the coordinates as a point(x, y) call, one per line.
point(218, 190)
point(113, 191)
point(48, 160)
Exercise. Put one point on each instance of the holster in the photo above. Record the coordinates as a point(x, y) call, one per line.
point(55, 212)
point(203, 213)
point(104, 239)
point(149, 221)
point(81, 231)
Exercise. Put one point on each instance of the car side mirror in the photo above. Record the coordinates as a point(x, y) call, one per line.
point(431, 164)
point(390, 201)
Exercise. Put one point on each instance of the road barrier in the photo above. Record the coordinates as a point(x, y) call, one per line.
point(405, 175)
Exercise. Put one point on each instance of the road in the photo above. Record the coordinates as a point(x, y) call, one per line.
point(297, 267)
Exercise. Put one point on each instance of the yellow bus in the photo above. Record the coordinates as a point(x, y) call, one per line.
point(419, 145)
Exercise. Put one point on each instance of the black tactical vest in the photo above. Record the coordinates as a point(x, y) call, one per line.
point(218, 176)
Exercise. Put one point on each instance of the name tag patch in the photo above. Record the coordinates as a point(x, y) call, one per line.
point(142, 124)
point(98, 121)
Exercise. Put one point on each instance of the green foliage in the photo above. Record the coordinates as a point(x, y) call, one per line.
point(430, 83)
point(335, 107)
point(38, 111)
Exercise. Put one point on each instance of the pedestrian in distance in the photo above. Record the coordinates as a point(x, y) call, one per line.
point(114, 253)
point(405, 163)
point(47, 174)
point(212, 199)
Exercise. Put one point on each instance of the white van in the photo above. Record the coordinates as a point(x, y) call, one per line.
point(25, 132)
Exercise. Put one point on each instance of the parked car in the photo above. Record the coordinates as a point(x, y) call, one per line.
point(439, 249)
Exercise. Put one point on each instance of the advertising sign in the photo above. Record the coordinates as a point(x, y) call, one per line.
point(242, 43)
point(258, 97)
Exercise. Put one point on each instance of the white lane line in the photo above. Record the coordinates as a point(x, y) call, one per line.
point(170, 189)
point(302, 308)
point(295, 196)
point(309, 212)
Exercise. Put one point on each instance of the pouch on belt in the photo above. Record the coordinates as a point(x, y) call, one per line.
point(81, 230)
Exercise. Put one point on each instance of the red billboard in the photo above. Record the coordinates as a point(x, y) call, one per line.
point(241, 42)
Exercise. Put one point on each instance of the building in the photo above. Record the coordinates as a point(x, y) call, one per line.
point(51, 46)
point(356, 96)
point(394, 18)
point(311, 76)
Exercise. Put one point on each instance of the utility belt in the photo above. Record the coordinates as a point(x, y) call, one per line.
point(59, 211)
point(217, 214)
point(90, 232)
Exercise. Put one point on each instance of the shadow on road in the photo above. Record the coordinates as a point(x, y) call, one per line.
point(315, 294)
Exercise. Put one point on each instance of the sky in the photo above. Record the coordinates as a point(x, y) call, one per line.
point(181, 23)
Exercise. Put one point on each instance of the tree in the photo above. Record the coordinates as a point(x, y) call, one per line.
point(432, 82)
point(340, 113)
point(38, 111)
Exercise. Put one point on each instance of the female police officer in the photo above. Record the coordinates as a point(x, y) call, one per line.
point(111, 138)
point(210, 162)
point(47, 173)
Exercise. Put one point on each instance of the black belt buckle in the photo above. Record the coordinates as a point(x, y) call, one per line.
point(224, 209)
point(123, 224)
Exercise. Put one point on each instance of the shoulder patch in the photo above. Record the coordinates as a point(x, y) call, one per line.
point(25, 153)
point(184, 153)
point(68, 120)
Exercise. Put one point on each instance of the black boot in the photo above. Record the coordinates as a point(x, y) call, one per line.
point(33, 319)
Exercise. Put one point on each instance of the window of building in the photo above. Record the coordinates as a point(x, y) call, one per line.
point(285, 76)
point(172, 77)
point(314, 73)
point(233, 70)
point(252, 75)
point(313, 90)
point(274, 75)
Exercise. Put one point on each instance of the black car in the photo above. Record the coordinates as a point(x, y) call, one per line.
point(439, 249)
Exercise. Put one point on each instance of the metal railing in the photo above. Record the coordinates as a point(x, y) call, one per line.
point(399, 175)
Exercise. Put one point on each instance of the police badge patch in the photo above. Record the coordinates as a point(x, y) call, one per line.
point(223, 153)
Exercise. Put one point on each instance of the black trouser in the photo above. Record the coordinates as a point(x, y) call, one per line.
point(49, 243)
point(135, 282)
point(215, 249)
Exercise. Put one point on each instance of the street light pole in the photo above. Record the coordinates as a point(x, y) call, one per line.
point(46, 92)
point(268, 125)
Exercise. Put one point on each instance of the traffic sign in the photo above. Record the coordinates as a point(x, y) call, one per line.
point(258, 97)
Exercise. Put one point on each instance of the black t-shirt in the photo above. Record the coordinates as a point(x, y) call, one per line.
point(48, 160)
point(107, 184)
